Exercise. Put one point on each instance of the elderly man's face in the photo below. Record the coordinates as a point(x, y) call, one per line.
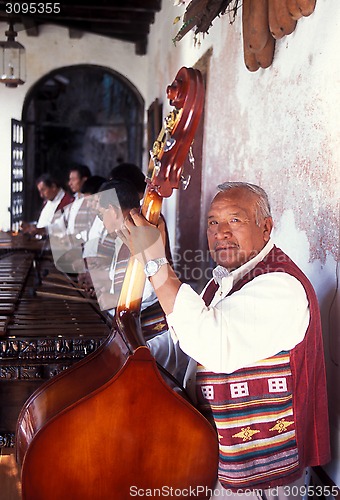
point(233, 235)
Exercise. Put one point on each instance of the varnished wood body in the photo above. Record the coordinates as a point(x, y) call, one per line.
point(67, 388)
point(90, 449)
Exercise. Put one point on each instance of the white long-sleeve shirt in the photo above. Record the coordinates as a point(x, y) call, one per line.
point(96, 235)
point(72, 212)
point(49, 209)
point(269, 314)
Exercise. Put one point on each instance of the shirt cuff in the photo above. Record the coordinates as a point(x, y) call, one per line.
point(184, 291)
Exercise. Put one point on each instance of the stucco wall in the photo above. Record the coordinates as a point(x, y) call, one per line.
point(278, 128)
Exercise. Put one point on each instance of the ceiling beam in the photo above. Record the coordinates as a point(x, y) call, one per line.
point(31, 27)
point(75, 34)
point(141, 5)
point(126, 20)
point(97, 17)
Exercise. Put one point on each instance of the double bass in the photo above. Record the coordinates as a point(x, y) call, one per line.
point(112, 426)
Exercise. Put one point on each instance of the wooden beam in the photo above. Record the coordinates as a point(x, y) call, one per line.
point(141, 47)
point(31, 27)
point(75, 34)
point(100, 15)
point(141, 5)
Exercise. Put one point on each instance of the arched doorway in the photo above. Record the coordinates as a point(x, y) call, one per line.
point(79, 114)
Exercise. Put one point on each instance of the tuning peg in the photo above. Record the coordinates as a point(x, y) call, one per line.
point(169, 142)
point(185, 181)
point(191, 157)
point(157, 165)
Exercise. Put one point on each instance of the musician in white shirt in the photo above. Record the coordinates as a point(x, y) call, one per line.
point(55, 198)
point(261, 306)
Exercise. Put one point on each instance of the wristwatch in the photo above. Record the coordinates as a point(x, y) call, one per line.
point(152, 266)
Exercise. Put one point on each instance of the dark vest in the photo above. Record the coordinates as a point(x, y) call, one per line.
point(271, 417)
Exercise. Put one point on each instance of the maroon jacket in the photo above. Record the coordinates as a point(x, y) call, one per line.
point(66, 200)
point(277, 423)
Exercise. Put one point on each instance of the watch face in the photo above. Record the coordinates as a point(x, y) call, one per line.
point(151, 267)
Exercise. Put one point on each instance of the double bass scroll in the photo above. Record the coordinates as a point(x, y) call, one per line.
point(170, 149)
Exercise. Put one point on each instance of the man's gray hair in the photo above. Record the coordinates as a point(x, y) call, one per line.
point(262, 203)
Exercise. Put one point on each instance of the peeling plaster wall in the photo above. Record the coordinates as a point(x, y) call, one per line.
point(51, 50)
point(279, 128)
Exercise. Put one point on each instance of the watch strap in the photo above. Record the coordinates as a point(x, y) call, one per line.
point(156, 264)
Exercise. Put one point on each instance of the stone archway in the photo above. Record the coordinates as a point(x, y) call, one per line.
point(80, 114)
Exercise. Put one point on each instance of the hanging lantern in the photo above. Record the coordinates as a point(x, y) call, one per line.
point(12, 60)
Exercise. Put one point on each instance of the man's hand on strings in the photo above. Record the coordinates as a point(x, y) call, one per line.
point(143, 239)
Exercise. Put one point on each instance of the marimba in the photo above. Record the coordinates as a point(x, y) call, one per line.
point(46, 325)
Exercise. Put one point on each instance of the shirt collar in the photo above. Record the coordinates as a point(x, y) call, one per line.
point(220, 272)
point(58, 197)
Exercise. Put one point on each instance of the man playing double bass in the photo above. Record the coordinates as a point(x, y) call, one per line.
point(254, 343)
